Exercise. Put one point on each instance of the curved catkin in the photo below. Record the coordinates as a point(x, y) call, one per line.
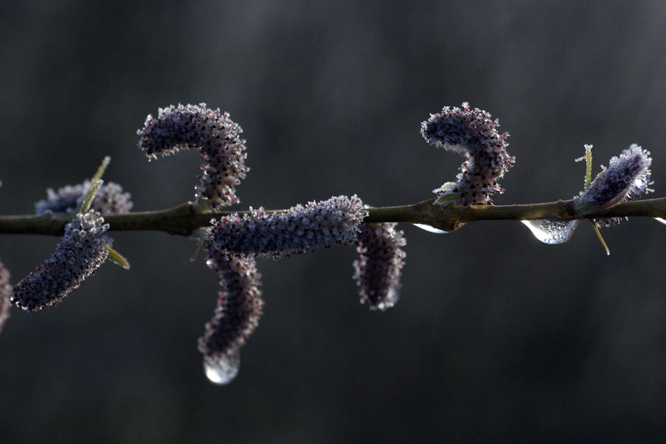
point(109, 199)
point(77, 256)
point(5, 294)
point(215, 136)
point(471, 133)
point(237, 313)
point(297, 230)
point(379, 267)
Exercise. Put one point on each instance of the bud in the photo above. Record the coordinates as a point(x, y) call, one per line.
point(471, 133)
point(236, 316)
point(5, 292)
point(109, 199)
point(378, 269)
point(216, 137)
point(81, 251)
point(299, 229)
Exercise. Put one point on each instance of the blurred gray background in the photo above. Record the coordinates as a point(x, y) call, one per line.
point(496, 337)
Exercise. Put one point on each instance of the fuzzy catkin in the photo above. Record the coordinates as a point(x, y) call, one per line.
point(80, 252)
point(238, 307)
point(470, 132)
point(626, 178)
point(297, 230)
point(109, 199)
point(379, 267)
point(215, 136)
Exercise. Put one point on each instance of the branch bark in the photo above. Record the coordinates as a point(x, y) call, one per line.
point(185, 218)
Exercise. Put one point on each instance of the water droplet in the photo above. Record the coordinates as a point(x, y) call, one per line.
point(224, 369)
point(551, 231)
point(430, 229)
point(391, 298)
point(659, 219)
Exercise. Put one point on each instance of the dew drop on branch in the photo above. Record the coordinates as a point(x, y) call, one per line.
point(551, 231)
point(222, 370)
point(430, 229)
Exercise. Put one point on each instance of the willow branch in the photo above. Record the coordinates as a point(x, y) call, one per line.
point(447, 218)
point(185, 218)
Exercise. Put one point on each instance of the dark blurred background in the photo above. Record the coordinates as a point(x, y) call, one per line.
point(496, 337)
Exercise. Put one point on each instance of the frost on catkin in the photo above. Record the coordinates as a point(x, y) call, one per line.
point(470, 132)
point(215, 136)
point(77, 256)
point(297, 230)
point(378, 268)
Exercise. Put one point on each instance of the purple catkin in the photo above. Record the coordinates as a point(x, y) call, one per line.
point(77, 256)
point(238, 307)
point(210, 131)
point(5, 293)
point(470, 132)
point(626, 178)
point(109, 199)
point(378, 269)
point(297, 230)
